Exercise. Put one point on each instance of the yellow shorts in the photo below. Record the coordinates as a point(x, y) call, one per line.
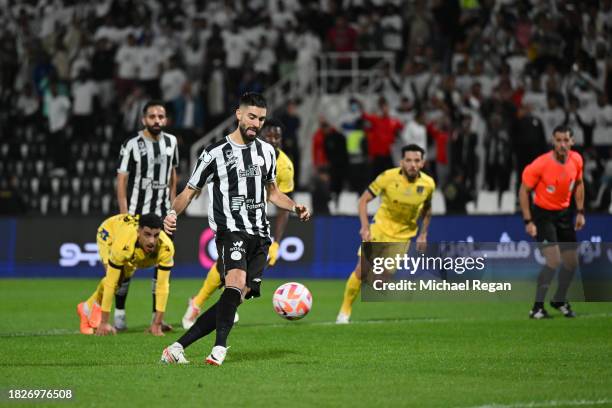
point(104, 239)
point(378, 235)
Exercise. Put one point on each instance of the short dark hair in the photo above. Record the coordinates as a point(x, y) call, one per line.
point(413, 148)
point(253, 99)
point(563, 129)
point(273, 122)
point(152, 102)
point(150, 220)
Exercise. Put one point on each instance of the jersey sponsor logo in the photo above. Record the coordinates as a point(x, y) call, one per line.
point(550, 189)
point(251, 204)
point(251, 171)
point(142, 148)
point(260, 161)
point(154, 184)
point(237, 202)
point(238, 243)
point(207, 158)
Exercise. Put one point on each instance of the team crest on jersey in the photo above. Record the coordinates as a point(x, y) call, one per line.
point(550, 189)
point(229, 154)
point(142, 147)
point(420, 189)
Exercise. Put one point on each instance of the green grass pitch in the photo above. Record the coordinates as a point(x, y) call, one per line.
point(394, 354)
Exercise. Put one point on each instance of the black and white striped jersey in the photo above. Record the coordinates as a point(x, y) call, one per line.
point(236, 176)
point(149, 164)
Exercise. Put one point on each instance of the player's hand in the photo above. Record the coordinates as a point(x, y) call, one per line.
point(302, 212)
point(531, 229)
point(170, 223)
point(421, 242)
point(580, 221)
point(156, 330)
point(105, 329)
point(273, 253)
point(365, 234)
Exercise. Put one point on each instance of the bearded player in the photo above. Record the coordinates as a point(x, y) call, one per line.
point(272, 132)
point(405, 194)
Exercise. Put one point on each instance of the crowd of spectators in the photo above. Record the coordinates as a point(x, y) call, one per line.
point(494, 75)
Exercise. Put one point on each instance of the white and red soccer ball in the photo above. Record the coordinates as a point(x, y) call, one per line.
point(292, 301)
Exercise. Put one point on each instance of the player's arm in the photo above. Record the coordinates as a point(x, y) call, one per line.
point(579, 199)
point(362, 208)
point(426, 213)
point(113, 272)
point(178, 206)
point(524, 193)
point(162, 290)
point(122, 181)
point(125, 162)
point(282, 201)
point(173, 183)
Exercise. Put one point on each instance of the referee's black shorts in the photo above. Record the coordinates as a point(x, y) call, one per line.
point(239, 250)
point(554, 226)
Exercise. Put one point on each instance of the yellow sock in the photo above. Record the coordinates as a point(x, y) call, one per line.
point(97, 295)
point(353, 285)
point(211, 283)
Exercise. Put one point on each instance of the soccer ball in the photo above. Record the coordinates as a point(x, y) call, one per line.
point(292, 301)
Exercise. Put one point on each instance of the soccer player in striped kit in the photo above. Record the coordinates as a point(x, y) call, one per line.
point(272, 133)
point(146, 182)
point(240, 173)
point(553, 178)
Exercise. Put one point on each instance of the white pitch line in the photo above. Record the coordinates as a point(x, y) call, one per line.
point(552, 403)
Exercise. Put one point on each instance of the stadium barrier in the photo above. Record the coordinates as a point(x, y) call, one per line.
point(323, 248)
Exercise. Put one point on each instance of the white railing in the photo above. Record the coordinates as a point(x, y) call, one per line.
point(355, 72)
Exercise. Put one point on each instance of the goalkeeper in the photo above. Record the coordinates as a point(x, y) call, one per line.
point(272, 133)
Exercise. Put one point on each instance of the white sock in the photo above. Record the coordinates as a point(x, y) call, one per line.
point(119, 312)
point(176, 344)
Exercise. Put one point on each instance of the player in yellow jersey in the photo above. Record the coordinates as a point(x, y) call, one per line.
point(405, 194)
point(272, 133)
point(126, 243)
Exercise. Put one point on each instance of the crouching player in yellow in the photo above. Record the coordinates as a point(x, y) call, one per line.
point(405, 194)
point(272, 132)
point(127, 243)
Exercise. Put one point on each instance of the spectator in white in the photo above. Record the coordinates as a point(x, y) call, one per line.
point(109, 31)
point(463, 79)
point(194, 53)
point(479, 75)
point(167, 42)
point(578, 120)
point(28, 106)
point(61, 61)
point(84, 93)
point(148, 61)
point(552, 116)
point(264, 59)
point(172, 81)
point(58, 113)
point(102, 59)
point(82, 60)
point(602, 133)
point(280, 15)
point(216, 92)
point(535, 95)
point(127, 66)
point(131, 110)
point(415, 132)
point(236, 46)
point(188, 115)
